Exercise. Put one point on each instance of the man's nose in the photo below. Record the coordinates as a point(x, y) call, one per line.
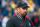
point(25, 10)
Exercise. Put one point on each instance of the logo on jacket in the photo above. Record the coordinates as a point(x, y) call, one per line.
point(21, 24)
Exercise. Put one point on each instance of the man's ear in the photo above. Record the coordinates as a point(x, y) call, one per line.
point(17, 9)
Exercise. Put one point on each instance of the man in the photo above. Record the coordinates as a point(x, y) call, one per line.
point(4, 21)
point(19, 19)
point(27, 17)
point(35, 19)
point(1, 18)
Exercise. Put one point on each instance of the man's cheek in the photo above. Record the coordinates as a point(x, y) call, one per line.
point(22, 11)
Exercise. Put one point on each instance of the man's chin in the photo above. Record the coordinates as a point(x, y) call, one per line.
point(24, 15)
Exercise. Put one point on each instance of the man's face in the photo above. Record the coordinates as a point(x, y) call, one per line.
point(35, 13)
point(23, 11)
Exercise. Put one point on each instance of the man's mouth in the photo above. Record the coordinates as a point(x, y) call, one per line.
point(25, 13)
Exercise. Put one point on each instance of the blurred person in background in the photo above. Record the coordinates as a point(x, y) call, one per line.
point(4, 7)
point(13, 5)
point(1, 18)
point(10, 11)
point(35, 19)
point(39, 20)
point(4, 3)
point(5, 19)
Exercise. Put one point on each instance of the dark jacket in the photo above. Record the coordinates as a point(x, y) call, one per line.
point(18, 22)
point(35, 20)
point(27, 19)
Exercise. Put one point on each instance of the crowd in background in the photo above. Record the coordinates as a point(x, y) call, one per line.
point(7, 8)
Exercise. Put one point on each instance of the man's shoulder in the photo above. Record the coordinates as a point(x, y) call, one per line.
point(13, 17)
point(27, 17)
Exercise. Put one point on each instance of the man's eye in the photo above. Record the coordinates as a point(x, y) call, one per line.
point(24, 9)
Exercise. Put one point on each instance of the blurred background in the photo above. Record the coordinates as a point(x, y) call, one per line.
point(7, 8)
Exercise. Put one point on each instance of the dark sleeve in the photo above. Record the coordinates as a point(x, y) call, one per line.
point(10, 23)
point(32, 18)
